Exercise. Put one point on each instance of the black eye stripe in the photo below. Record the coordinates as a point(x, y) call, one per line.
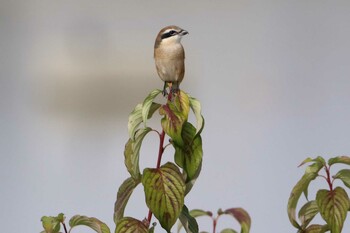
point(169, 34)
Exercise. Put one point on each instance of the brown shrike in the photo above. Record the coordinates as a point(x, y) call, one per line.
point(169, 56)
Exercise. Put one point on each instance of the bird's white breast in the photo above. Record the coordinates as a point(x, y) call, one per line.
point(171, 50)
point(169, 59)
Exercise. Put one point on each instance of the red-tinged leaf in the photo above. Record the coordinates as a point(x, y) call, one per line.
point(124, 193)
point(93, 223)
point(340, 159)
point(242, 217)
point(189, 155)
point(333, 206)
point(315, 228)
point(182, 103)
point(131, 225)
point(148, 106)
point(164, 190)
point(302, 186)
point(187, 221)
point(172, 123)
point(344, 175)
point(132, 153)
point(175, 115)
point(307, 213)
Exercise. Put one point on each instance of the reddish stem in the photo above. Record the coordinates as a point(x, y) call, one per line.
point(65, 228)
point(214, 225)
point(215, 221)
point(161, 148)
point(160, 153)
point(329, 181)
point(149, 218)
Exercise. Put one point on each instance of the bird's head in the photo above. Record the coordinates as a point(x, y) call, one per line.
point(170, 35)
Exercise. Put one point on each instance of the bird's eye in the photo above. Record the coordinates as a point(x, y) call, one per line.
point(169, 34)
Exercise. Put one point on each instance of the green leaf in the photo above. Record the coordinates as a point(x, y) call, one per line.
point(187, 221)
point(135, 118)
point(132, 153)
point(124, 193)
point(315, 228)
point(344, 175)
point(333, 206)
point(147, 105)
point(131, 225)
point(318, 160)
point(196, 108)
point(198, 213)
point(189, 156)
point(190, 183)
point(298, 189)
point(164, 190)
point(340, 159)
point(194, 214)
point(228, 230)
point(93, 223)
point(307, 213)
point(311, 173)
point(52, 224)
point(61, 217)
point(242, 217)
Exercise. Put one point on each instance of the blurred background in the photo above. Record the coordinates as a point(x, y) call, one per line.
point(273, 78)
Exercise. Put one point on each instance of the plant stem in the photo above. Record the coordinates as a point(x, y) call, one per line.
point(65, 228)
point(160, 153)
point(161, 149)
point(330, 183)
point(215, 221)
point(149, 218)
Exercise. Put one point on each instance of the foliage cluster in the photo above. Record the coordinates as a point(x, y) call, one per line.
point(166, 185)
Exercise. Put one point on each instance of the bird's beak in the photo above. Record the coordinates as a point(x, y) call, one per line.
point(183, 32)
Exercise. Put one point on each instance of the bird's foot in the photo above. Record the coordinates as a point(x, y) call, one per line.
point(175, 90)
point(165, 92)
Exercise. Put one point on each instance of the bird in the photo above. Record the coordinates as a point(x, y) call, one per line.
point(169, 56)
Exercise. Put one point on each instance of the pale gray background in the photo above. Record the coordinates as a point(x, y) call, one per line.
point(272, 76)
